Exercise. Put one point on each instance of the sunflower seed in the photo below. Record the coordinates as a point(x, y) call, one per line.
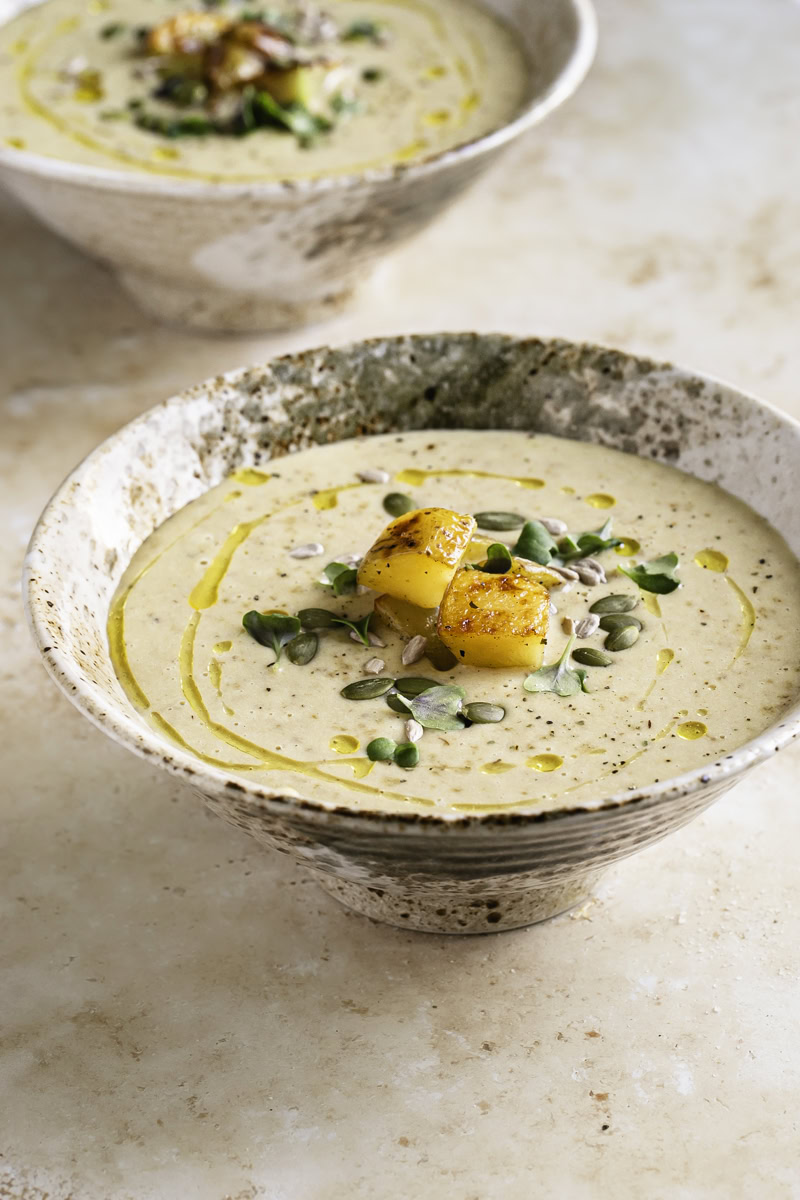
point(367, 689)
point(310, 550)
point(413, 650)
point(568, 625)
point(414, 730)
point(374, 666)
point(375, 641)
point(587, 626)
point(564, 572)
point(590, 571)
point(622, 639)
point(588, 656)
point(373, 476)
point(553, 526)
point(553, 609)
point(618, 603)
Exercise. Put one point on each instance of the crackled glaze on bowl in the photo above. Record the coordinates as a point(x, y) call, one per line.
point(249, 257)
point(455, 874)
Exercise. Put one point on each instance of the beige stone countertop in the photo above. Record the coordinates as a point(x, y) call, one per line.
point(184, 1016)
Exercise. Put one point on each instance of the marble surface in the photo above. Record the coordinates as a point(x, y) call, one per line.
point(185, 1016)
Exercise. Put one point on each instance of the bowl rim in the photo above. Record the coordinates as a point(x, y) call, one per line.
point(563, 86)
point(134, 734)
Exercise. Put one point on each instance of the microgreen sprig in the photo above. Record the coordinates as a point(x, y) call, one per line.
point(657, 575)
point(272, 629)
point(559, 677)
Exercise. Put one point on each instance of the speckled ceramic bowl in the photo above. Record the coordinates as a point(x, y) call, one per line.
point(249, 257)
point(454, 874)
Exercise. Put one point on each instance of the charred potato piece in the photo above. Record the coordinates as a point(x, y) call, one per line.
point(495, 620)
point(416, 556)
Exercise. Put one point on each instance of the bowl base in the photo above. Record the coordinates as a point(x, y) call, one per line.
point(461, 911)
point(221, 310)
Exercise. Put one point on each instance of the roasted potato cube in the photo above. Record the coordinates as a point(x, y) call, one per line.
point(186, 32)
point(495, 620)
point(416, 556)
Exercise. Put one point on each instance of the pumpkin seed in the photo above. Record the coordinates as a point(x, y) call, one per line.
point(499, 520)
point(414, 685)
point(317, 618)
point(622, 639)
point(484, 714)
point(397, 503)
point(367, 689)
point(618, 603)
point(301, 649)
point(439, 656)
point(612, 621)
point(381, 749)
point(396, 704)
point(406, 755)
point(588, 656)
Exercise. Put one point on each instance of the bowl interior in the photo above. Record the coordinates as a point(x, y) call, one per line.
point(559, 38)
point(152, 467)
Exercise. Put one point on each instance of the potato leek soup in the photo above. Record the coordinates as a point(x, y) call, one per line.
point(459, 621)
point(239, 91)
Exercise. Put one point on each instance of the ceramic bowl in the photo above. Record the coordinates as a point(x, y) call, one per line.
point(458, 874)
point(256, 256)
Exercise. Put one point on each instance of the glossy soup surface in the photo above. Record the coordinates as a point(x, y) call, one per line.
point(716, 661)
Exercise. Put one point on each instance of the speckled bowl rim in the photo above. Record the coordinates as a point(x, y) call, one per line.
point(564, 86)
point(104, 710)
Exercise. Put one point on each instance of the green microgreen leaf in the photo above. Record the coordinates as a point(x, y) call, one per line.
point(406, 755)
point(535, 544)
point(438, 707)
point(559, 677)
point(364, 30)
point(342, 579)
point(381, 749)
point(657, 575)
point(271, 629)
point(498, 559)
point(306, 126)
point(592, 542)
point(360, 627)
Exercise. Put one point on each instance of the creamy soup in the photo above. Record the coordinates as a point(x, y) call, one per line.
point(244, 91)
point(714, 658)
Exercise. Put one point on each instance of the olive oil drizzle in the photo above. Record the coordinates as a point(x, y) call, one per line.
point(415, 478)
point(749, 618)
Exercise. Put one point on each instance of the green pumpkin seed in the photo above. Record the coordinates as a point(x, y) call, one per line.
point(367, 689)
point(483, 714)
point(406, 755)
point(396, 704)
point(618, 603)
point(316, 618)
point(438, 655)
point(499, 520)
point(397, 504)
point(622, 639)
point(414, 685)
point(612, 621)
point(587, 656)
point(301, 649)
point(381, 749)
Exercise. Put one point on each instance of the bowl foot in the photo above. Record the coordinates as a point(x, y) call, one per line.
point(221, 310)
point(461, 911)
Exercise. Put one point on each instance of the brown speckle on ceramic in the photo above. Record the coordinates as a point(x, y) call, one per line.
point(249, 257)
point(439, 873)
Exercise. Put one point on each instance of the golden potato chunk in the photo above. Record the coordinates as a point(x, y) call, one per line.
point(416, 556)
point(495, 620)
